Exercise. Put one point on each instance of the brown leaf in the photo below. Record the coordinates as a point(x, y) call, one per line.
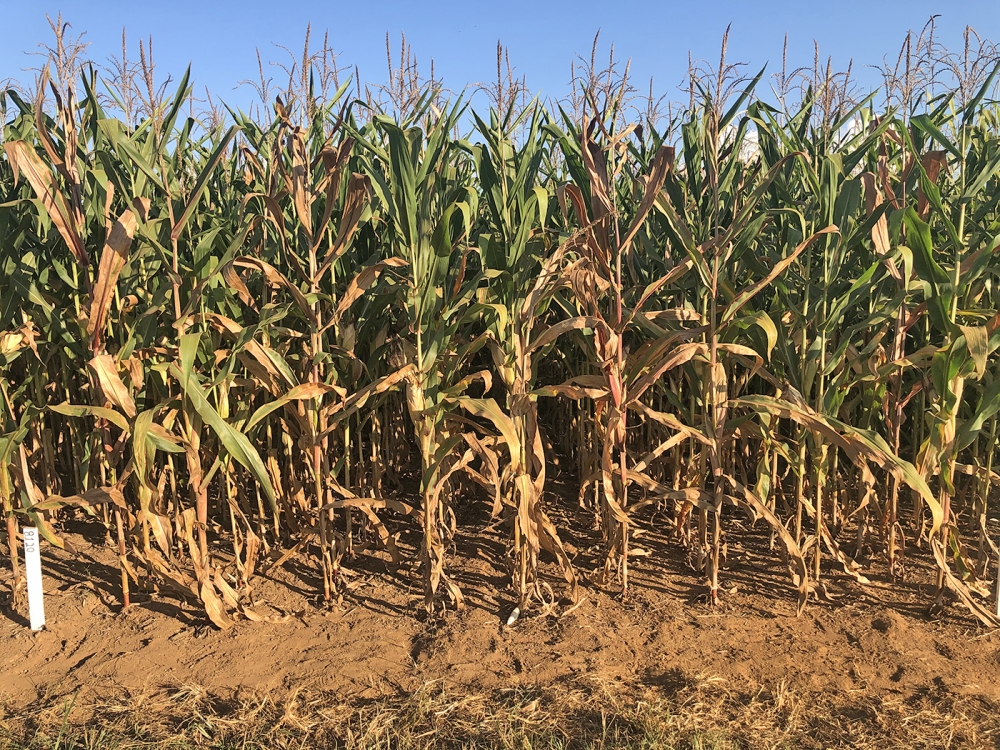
point(214, 607)
point(24, 160)
point(113, 259)
point(162, 530)
point(301, 194)
point(358, 189)
point(361, 283)
point(663, 161)
point(960, 590)
point(800, 572)
point(258, 351)
point(880, 232)
point(933, 163)
point(105, 369)
point(90, 499)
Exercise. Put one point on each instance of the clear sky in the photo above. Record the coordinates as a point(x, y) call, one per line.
point(219, 37)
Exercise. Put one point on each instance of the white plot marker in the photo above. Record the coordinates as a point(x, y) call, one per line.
point(33, 568)
point(998, 587)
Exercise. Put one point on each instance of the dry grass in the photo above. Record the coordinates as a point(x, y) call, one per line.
point(691, 713)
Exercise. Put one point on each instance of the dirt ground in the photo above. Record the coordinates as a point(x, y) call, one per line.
point(869, 646)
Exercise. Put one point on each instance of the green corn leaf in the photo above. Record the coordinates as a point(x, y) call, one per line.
point(235, 442)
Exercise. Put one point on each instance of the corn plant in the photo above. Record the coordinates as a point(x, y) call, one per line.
point(220, 336)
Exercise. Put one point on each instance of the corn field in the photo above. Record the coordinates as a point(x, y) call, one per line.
point(235, 340)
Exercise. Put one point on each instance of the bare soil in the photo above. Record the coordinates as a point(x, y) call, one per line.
point(867, 649)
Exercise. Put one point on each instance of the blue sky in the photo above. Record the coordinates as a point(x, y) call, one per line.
point(219, 37)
